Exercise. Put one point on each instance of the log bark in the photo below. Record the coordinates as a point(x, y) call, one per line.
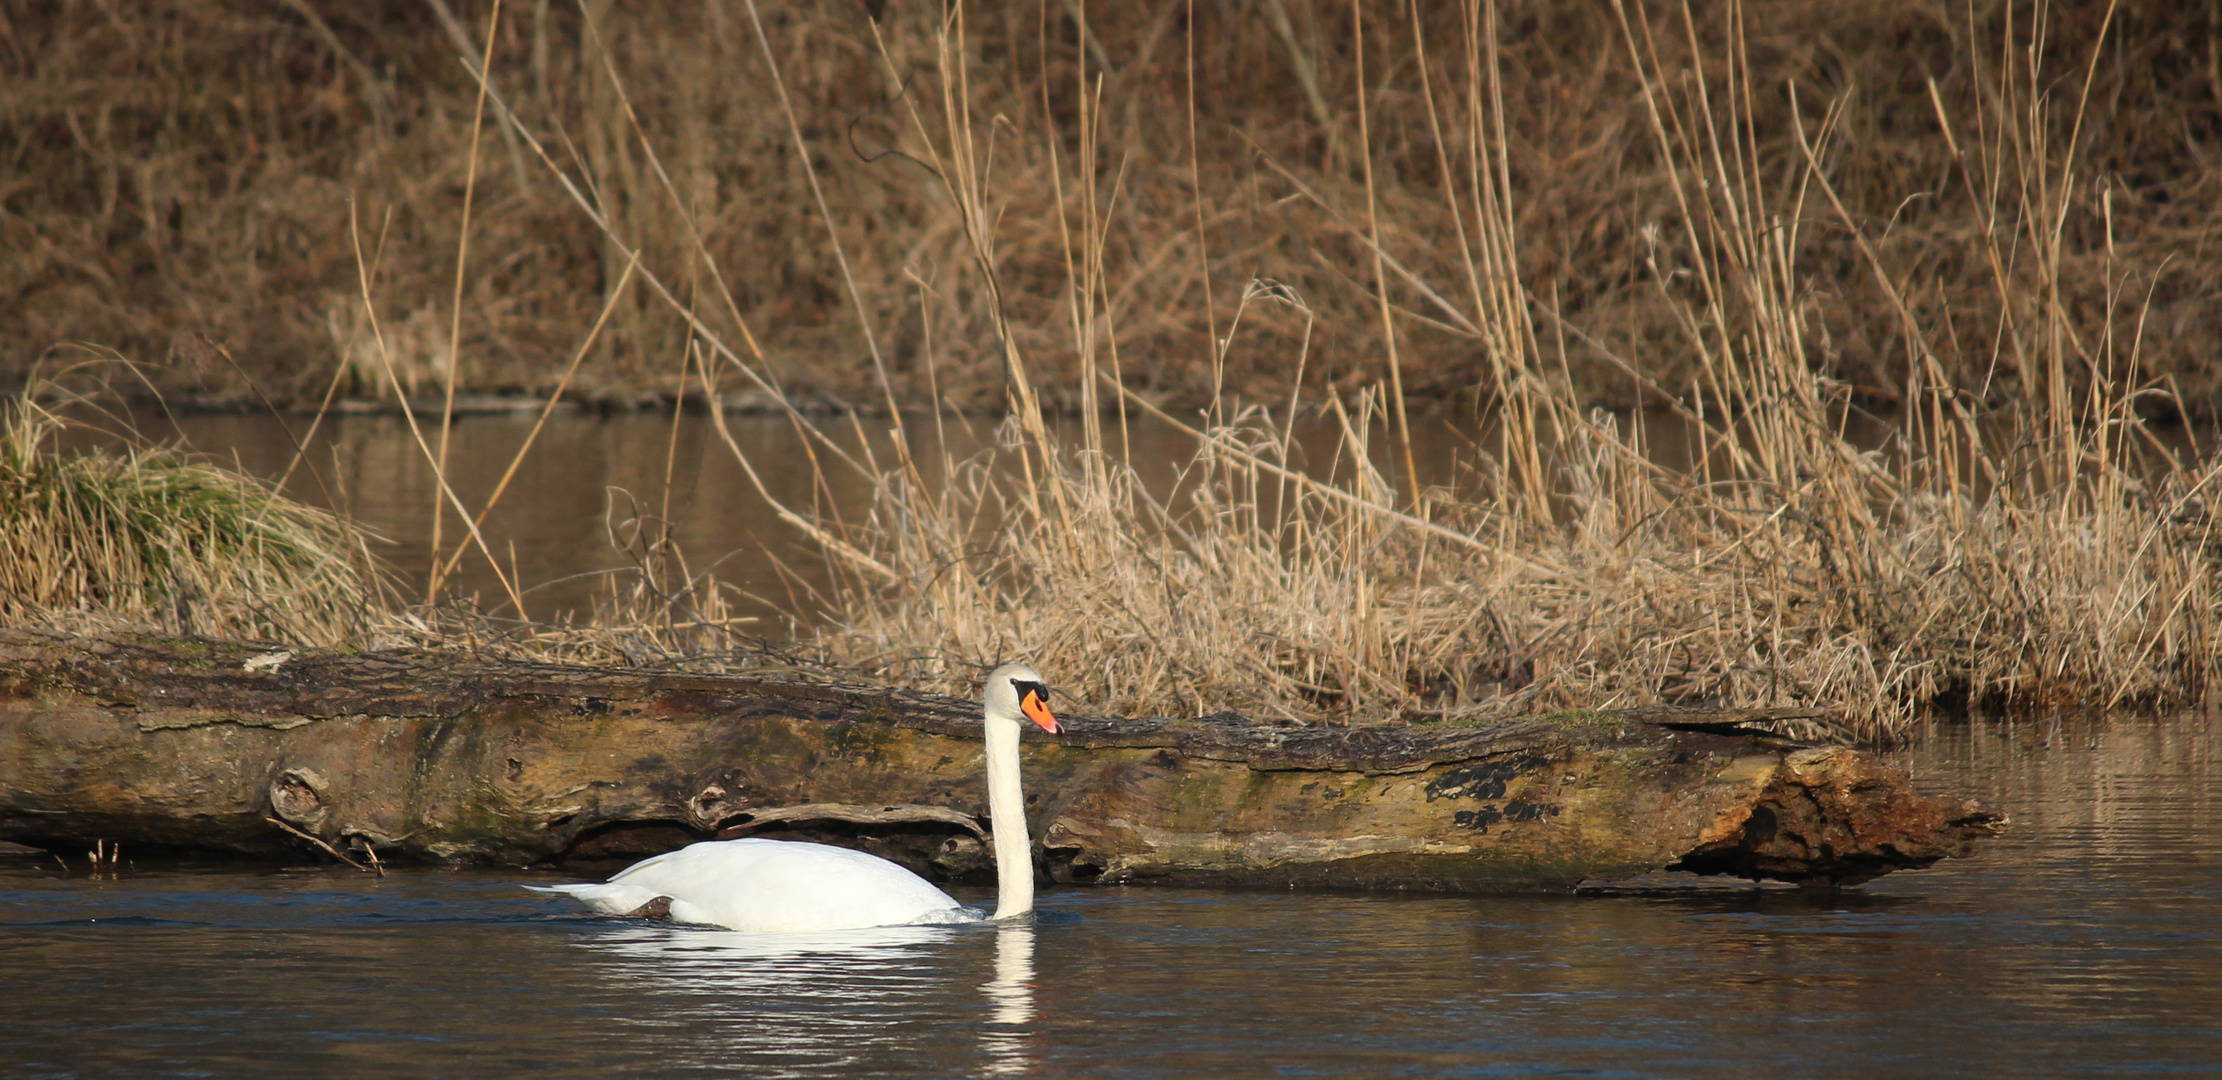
point(240, 748)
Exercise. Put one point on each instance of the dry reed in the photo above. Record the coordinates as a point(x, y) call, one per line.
point(189, 167)
point(2049, 555)
point(2020, 538)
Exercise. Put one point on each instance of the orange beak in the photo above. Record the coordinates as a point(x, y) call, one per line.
point(1037, 710)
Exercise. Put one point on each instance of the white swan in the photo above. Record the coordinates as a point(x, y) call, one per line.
point(786, 885)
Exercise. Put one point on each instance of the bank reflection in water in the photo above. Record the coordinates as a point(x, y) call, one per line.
point(808, 1001)
point(587, 473)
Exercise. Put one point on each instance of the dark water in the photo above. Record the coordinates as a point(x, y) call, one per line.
point(588, 487)
point(2090, 941)
point(590, 479)
point(592, 485)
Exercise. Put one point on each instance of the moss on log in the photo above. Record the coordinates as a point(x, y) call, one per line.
point(446, 756)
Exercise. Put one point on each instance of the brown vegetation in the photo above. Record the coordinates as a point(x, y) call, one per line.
point(1658, 202)
point(153, 538)
point(187, 168)
point(2055, 554)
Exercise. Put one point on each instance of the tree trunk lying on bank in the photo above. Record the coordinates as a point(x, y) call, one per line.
point(444, 756)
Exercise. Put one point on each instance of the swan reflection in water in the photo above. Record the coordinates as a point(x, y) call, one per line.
point(846, 997)
point(1005, 1037)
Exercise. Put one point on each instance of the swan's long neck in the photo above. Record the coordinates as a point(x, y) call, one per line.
point(1014, 850)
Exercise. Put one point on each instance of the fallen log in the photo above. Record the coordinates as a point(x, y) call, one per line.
point(243, 749)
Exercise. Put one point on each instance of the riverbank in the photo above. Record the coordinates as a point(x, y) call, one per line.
point(2017, 536)
point(620, 531)
point(239, 176)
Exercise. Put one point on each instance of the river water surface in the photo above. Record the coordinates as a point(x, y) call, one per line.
point(2087, 941)
point(589, 478)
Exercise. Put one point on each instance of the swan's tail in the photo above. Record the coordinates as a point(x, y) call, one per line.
point(609, 898)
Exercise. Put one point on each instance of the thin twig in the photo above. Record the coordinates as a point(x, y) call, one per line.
point(319, 842)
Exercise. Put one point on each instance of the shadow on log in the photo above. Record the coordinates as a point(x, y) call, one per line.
point(445, 756)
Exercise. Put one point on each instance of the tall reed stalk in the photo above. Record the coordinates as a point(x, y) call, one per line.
point(2049, 554)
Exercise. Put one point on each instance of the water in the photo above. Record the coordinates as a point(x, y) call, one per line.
point(588, 478)
point(591, 479)
point(2088, 941)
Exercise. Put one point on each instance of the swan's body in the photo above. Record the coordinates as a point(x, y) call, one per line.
point(774, 885)
point(784, 885)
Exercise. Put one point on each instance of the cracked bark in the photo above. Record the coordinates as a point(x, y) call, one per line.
point(450, 757)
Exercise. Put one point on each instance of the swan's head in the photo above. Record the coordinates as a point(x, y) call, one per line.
point(1015, 693)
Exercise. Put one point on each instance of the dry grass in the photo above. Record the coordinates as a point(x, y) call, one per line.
point(657, 611)
point(1715, 214)
point(153, 538)
point(2053, 554)
point(189, 167)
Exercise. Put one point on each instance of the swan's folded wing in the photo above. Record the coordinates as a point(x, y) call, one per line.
point(776, 885)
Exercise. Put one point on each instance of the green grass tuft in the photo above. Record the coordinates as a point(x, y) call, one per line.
point(153, 539)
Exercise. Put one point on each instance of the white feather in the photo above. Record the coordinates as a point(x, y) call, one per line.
point(772, 885)
point(781, 885)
